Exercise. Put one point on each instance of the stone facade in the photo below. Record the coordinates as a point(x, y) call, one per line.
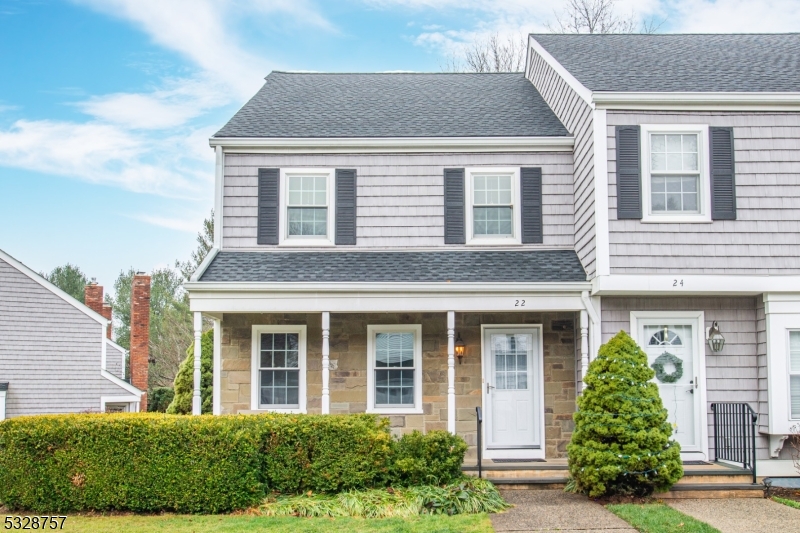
point(348, 376)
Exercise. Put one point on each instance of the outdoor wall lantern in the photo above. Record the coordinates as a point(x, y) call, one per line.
point(715, 339)
point(460, 348)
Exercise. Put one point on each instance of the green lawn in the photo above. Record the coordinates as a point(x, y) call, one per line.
point(659, 518)
point(786, 501)
point(234, 524)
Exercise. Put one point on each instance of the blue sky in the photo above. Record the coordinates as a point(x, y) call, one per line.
point(106, 106)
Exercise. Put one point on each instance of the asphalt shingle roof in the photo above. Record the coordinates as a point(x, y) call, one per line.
point(395, 105)
point(680, 63)
point(396, 267)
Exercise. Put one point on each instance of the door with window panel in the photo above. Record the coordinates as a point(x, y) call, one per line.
point(674, 173)
point(492, 206)
point(279, 372)
point(512, 399)
point(307, 206)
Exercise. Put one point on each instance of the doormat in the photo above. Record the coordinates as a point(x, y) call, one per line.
point(518, 461)
point(696, 463)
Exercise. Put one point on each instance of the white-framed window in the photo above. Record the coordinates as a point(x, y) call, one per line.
point(307, 207)
point(492, 205)
point(394, 369)
point(279, 369)
point(676, 186)
point(794, 374)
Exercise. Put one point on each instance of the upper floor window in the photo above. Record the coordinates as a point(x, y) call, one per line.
point(307, 207)
point(675, 173)
point(493, 206)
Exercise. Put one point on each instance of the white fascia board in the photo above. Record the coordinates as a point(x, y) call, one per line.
point(52, 288)
point(683, 284)
point(571, 80)
point(697, 101)
point(384, 288)
point(392, 144)
point(212, 253)
point(121, 383)
point(601, 235)
point(219, 194)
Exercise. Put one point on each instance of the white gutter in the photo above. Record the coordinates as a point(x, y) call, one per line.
point(402, 288)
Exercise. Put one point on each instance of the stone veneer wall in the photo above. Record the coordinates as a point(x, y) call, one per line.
point(348, 379)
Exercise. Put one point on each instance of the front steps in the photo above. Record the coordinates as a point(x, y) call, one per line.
point(699, 481)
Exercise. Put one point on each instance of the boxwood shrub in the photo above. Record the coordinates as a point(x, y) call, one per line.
point(207, 464)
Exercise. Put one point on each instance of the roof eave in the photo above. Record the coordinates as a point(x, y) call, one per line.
point(713, 101)
point(384, 287)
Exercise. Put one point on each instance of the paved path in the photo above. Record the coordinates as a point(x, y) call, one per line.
point(742, 515)
point(551, 511)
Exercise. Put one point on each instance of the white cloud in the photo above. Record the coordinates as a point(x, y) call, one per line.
point(187, 225)
point(731, 16)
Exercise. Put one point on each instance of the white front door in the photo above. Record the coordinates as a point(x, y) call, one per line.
point(512, 372)
point(672, 350)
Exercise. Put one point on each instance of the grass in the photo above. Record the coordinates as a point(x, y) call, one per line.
point(786, 501)
point(235, 523)
point(659, 518)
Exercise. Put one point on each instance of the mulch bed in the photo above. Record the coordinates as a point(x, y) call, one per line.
point(789, 494)
point(606, 500)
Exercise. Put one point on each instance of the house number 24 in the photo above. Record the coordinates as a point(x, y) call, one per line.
point(519, 303)
point(677, 283)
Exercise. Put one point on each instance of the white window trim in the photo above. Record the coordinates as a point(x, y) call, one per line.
point(698, 321)
point(372, 330)
point(703, 163)
point(283, 193)
point(516, 209)
point(132, 401)
point(782, 316)
point(3, 404)
point(255, 393)
point(789, 373)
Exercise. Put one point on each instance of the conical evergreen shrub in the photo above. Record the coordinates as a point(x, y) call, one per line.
point(621, 443)
point(184, 380)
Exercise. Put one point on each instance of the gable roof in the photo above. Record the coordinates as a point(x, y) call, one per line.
point(529, 266)
point(679, 62)
point(304, 105)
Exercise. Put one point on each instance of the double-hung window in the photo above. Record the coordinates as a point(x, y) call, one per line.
point(307, 206)
point(279, 366)
point(493, 206)
point(394, 378)
point(794, 373)
point(675, 173)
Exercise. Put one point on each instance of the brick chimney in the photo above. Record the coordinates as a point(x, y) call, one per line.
point(93, 298)
point(140, 334)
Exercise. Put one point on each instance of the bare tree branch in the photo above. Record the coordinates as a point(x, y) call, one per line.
point(595, 16)
point(490, 55)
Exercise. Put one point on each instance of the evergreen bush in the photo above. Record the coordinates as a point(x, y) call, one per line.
point(184, 380)
point(432, 458)
point(159, 399)
point(621, 443)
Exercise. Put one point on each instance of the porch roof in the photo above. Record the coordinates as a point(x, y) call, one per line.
point(485, 266)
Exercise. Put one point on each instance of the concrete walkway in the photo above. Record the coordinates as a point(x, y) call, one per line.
point(551, 511)
point(742, 515)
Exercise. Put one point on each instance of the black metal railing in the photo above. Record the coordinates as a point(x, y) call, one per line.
point(479, 418)
point(735, 434)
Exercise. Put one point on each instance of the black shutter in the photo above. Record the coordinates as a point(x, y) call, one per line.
point(531, 192)
point(723, 182)
point(268, 205)
point(629, 173)
point(454, 206)
point(345, 206)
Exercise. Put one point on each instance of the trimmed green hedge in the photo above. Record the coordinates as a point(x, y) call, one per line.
point(207, 464)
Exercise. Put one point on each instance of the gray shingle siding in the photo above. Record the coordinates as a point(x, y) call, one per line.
point(115, 360)
point(680, 63)
point(764, 238)
point(394, 105)
point(50, 352)
point(396, 267)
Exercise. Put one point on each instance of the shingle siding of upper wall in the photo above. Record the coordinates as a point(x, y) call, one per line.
point(576, 115)
point(400, 197)
point(765, 238)
point(49, 351)
point(732, 375)
point(115, 361)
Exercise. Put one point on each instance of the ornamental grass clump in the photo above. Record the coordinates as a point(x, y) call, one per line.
point(621, 443)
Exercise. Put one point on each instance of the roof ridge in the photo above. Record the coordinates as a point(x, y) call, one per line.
point(661, 34)
point(393, 73)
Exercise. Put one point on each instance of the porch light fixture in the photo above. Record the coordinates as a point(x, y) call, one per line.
point(715, 339)
point(460, 347)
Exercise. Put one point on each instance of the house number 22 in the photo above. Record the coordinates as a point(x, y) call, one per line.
point(519, 303)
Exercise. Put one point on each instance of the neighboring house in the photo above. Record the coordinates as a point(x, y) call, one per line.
point(370, 226)
point(55, 352)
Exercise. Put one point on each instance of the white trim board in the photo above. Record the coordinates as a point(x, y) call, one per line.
point(372, 330)
point(133, 402)
point(700, 284)
point(309, 145)
point(602, 251)
point(697, 101)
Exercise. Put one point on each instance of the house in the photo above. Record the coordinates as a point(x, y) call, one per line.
point(419, 245)
point(56, 354)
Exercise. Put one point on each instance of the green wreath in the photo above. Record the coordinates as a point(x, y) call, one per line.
point(663, 360)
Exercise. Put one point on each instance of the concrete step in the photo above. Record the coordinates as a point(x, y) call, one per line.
point(709, 477)
point(712, 491)
point(540, 483)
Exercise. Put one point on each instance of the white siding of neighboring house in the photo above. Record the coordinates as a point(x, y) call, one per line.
point(50, 351)
point(115, 359)
point(765, 238)
point(400, 199)
point(576, 115)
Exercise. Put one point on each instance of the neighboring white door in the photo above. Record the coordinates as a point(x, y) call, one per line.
point(512, 372)
point(673, 343)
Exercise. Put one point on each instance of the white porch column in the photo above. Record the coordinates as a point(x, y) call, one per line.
point(451, 372)
point(217, 369)
point(326, 363)
point(584, 346)
point(198, 332)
